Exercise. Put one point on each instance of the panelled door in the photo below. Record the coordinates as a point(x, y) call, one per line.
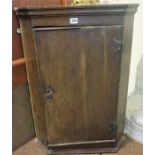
point(79, 71)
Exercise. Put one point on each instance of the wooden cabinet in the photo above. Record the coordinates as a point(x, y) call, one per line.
point(77, 60)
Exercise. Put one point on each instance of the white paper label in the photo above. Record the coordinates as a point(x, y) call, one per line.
point(73, 20)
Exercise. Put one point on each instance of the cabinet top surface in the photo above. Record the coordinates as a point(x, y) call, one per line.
point(78, 10)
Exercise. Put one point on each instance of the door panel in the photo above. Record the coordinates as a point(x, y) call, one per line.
point(62, 71)
point(79, 74)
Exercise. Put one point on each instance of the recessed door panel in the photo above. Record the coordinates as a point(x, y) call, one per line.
point(102, 82)
point(79, 75)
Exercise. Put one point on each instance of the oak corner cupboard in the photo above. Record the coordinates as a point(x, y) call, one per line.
point(77, 61)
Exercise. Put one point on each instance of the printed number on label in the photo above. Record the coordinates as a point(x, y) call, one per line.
point(73, 20)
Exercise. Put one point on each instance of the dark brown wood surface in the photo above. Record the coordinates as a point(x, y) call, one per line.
point(124, 73)
point(81, 73)
point(78, 85)
point(17, 43)
point(33, 80)
point(19, 77)
point(19, 73)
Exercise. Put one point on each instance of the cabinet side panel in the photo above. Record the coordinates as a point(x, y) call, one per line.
point(124, 75)
point(33, 79)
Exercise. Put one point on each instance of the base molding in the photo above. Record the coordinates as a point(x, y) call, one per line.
point(50, 151)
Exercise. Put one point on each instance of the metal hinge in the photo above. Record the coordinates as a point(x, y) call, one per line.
point(117, 45)
point(113, 127)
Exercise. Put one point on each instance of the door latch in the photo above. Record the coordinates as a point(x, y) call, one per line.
point(48, 93)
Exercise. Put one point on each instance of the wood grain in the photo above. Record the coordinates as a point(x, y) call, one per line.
point(19, 73)
point(124, 73)
point(83, 79)
point(78, 74)
point(33, 80)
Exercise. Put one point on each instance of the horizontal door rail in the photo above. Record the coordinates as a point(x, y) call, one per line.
point(84, 142)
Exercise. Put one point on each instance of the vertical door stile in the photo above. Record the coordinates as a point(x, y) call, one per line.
point(83, 77)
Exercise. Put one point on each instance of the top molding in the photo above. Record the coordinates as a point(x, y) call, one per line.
point(77, 10)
